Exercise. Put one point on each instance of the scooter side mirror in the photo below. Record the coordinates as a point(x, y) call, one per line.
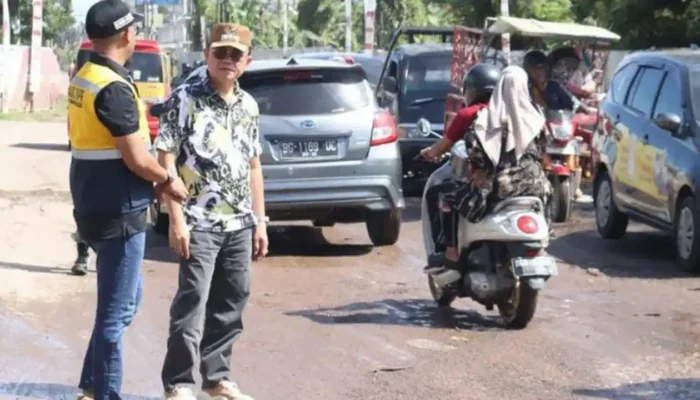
point(423, 127)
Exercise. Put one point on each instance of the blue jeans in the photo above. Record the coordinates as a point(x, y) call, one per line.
point(119, 294)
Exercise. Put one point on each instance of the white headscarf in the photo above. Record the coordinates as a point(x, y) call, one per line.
point(510, 109)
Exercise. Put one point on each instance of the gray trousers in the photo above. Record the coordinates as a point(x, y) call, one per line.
point(205, 316)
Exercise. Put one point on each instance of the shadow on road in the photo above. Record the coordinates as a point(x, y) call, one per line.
point(662, 389)
point(294, 240)
point(407, 312)
point(42, 146)
point(644, 255)
point(52, 391)
point(35, 268)
point(300, 240)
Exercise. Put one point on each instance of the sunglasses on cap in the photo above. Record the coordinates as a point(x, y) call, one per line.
point(222, 53)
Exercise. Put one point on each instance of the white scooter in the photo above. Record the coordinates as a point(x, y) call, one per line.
point(502, 258)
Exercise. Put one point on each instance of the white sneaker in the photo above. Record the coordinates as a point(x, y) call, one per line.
point(226, 390)
point(86, 395)
point(180, 393)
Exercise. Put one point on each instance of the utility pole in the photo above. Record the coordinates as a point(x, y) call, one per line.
point(285, 22)
point(5, 54)
point(348, 25)
point(505, 37)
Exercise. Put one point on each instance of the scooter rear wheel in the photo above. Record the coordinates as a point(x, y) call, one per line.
point(441, 298)
point(519, 309)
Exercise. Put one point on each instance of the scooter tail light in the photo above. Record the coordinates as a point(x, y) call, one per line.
point(527, 224)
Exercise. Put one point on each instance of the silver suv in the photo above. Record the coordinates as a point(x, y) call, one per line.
point(330, 154)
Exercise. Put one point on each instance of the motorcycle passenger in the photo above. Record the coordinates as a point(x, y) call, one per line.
point(505, 147)
point(479, 82)
point(547, 92)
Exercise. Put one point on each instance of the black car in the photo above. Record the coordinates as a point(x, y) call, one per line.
point(646, 150)
point(415, 86)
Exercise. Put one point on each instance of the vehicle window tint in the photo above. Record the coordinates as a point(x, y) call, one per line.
point(645, 89)
point(694, 80)
point(146, 67)
point(429, 73)
point(307, 92)
point(621, 82)
point(670, 101)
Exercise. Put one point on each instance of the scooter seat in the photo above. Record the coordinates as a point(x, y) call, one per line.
point(519, 202)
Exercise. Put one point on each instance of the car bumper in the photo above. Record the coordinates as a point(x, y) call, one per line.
point(341, 200)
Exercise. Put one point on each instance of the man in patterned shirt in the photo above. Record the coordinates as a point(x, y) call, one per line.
point(209, 133)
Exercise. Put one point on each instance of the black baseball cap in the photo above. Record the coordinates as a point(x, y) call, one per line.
point(106, 18)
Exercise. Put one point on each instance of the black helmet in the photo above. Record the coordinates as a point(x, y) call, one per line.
point(535, 58)
point(479, 82)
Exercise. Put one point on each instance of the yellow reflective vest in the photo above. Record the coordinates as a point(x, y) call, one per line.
point(101, 183)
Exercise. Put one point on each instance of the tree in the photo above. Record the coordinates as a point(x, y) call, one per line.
point(57, 15)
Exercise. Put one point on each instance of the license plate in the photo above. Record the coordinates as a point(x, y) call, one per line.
point(536, 266)
point(309, 148)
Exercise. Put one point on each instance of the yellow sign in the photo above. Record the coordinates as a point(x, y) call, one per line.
point(640, 166)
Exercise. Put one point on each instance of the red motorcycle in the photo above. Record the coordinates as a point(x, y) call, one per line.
point(561, 162)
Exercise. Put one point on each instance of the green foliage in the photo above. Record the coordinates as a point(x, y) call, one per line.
point(57, 15)
point(641, 23)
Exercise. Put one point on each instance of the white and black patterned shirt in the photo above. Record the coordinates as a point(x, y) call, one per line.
point(213, 142)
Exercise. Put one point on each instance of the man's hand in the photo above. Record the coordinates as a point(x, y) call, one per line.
point(179, 238)
point(176, 189)
point(260, 241)
point(430, 154)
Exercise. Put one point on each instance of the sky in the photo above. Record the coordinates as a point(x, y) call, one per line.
point(80, 8)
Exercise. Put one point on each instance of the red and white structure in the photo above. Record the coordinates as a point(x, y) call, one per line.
point(370, 9)
point(35, 50)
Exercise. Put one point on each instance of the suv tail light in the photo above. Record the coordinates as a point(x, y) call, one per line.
point(384, 128)
point(527, 224)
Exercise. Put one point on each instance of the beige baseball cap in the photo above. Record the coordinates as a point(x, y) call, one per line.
point(230, 35)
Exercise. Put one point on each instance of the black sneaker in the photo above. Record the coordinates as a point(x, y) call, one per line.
point(80, 267)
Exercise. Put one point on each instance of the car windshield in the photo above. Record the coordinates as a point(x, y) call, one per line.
point(144, 67)
point(307, 92)
point(426, 87)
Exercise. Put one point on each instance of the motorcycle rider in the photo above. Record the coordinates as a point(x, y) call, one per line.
point(479, 82)
point(546, 92)
point(504, 146)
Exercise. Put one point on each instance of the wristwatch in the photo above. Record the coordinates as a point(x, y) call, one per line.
point(262, 218)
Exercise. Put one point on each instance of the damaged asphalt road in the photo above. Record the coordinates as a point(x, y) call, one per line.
point(330, 317)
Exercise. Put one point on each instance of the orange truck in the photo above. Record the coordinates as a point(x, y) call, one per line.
point(150, 70)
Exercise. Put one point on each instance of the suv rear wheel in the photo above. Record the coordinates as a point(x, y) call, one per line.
point(611, 223)
point(687, 236)
point(384, 227)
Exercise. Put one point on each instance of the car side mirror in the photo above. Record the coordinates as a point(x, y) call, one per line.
point(423, 127)
point(156, 110)
point(669, 122)
point(389, 84)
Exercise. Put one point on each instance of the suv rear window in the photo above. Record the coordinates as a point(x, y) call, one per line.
point(307, 92)
point(144, 67)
